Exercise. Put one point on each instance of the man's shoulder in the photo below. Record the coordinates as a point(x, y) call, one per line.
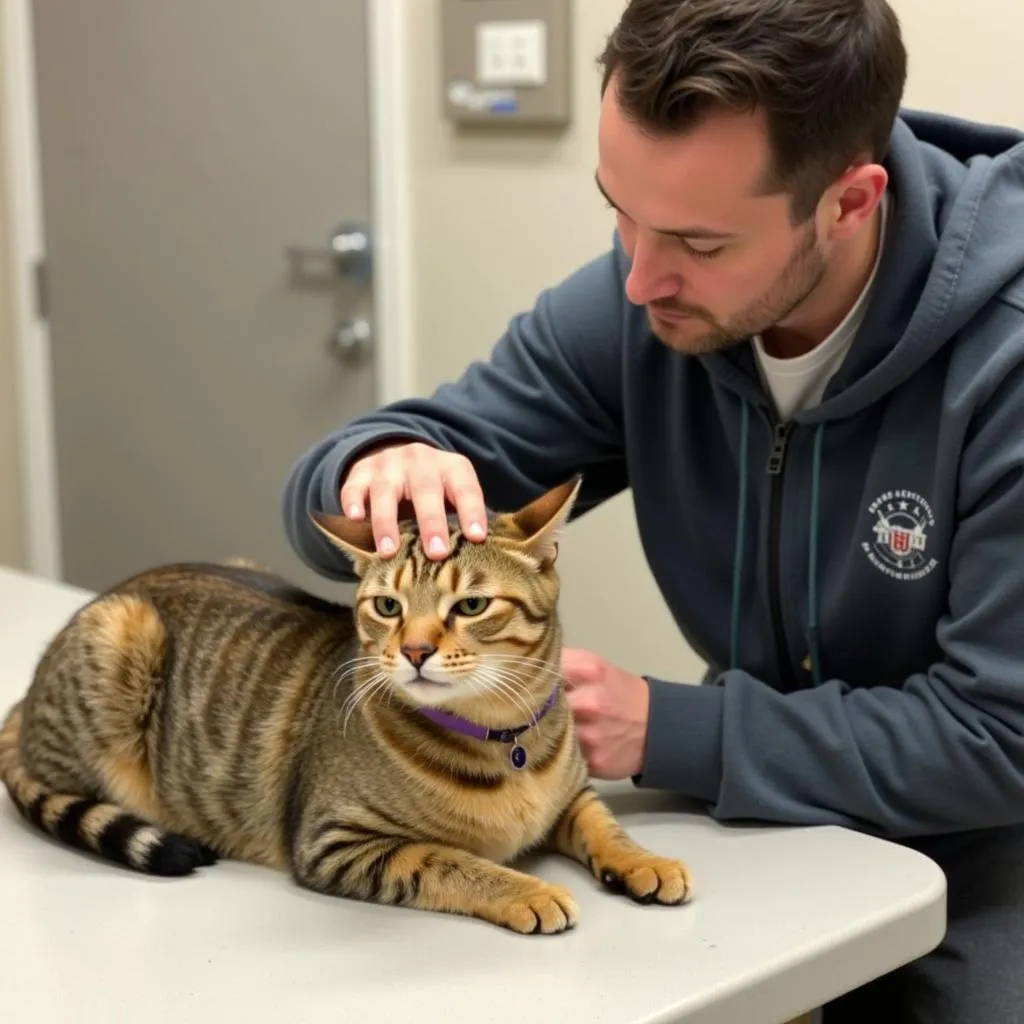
point(987, 359)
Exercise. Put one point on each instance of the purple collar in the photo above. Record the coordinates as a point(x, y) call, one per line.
point(481, 732)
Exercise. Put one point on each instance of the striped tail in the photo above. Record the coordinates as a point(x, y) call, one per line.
point(92, 825)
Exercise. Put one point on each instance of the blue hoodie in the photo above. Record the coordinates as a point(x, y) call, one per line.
point(854, 578)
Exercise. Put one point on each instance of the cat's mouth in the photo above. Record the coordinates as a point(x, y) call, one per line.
point(423, 680)
point(421, 677)
point(429, 684)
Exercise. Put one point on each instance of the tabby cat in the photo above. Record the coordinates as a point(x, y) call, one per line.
point(402, 753)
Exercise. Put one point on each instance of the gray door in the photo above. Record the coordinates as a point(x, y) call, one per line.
point(186, 147)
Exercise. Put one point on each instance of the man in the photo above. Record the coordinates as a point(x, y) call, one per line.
point(804, 353)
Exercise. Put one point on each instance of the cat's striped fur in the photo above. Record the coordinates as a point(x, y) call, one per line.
point(204, 711)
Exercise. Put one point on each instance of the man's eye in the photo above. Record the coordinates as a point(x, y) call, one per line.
point(387, 606)
point(703, 254)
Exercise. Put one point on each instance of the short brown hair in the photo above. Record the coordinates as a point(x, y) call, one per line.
point(827, 74)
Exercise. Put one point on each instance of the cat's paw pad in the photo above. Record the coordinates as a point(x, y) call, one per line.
point(541, 910)
point(645, 878)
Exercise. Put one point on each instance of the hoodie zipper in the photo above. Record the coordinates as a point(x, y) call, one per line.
point(776, 463)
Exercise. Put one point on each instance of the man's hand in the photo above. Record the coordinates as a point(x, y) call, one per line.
point(610, 707)
point(401, 474)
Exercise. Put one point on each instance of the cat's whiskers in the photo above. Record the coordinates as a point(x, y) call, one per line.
point(492, 683)
point(348, 668)
point(496, 688)
point(501, 685)
point(520, 672)
point(340, 680)
point(351, 667)
point(361, 694)
point(521, 669)
point(534, 665)
point(353, 696)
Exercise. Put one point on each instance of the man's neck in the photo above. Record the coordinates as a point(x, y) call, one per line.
point(832, 300)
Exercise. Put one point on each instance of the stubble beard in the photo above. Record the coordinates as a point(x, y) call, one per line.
point(801, 275)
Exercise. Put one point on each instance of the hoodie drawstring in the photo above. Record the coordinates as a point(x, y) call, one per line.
point(813, 640)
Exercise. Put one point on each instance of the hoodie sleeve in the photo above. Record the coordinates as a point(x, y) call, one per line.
point(943, 752)
point(546, 405)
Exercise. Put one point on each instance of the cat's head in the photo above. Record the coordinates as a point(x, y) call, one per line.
point(481, 623)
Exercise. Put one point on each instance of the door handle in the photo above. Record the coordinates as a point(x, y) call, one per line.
point(348, 253)
point(352, 342)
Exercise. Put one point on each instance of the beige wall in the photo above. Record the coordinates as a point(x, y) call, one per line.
point(11, 539)
point(965, 58)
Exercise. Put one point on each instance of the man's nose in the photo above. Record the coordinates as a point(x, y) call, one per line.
point(649, 279)
point(418, 653)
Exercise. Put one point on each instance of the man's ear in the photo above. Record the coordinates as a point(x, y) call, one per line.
point(353, 537)
point(539, 523)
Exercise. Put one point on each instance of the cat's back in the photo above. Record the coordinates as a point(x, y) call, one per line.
point(237, 623)
point(180, 591)
point(193, 618)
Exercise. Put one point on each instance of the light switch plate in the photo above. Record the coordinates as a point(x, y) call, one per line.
point(511, 53)
point(507, 61)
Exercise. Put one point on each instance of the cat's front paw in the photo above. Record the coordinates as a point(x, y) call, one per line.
point(540, 909)
point(645, 878)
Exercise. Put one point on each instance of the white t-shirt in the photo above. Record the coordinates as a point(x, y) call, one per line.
point(799, 383)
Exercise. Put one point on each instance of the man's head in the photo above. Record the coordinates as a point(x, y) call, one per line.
point(740, 144)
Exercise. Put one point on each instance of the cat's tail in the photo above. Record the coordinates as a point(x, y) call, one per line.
point(94, 825)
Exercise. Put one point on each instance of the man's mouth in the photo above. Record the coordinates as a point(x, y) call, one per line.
point(671, 314)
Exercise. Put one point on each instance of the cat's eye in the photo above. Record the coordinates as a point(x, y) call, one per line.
point(472, 605)
point(387, 606)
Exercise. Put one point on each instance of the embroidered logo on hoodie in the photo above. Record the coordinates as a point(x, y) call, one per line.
point(901, 523)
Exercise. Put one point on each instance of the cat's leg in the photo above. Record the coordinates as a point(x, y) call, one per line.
point(346, 860)
point(588, 832)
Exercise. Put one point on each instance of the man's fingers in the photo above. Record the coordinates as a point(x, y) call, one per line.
point(384, 494)
point(428, 503)
point(587, 737)
point(396, 477)
point(580, 666)
point(582, 705)
point(355, 488)
point(353, 494)
point(464, 492)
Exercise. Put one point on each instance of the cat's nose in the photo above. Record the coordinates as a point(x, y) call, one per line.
point(418, 653)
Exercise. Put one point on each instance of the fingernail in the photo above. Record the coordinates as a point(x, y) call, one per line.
point(476, 530)
point(438, 547)
point(353, 511)
point(387, 546)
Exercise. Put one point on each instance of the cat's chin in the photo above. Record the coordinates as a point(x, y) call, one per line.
point(430, 692)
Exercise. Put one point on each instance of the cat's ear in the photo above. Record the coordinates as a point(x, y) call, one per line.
point(353, 537)
point(540, 522)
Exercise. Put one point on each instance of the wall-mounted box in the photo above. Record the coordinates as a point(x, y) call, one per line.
point(507, 61)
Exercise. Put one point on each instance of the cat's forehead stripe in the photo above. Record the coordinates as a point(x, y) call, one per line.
point(468, 567)
point(448, 576)
point(403, 578)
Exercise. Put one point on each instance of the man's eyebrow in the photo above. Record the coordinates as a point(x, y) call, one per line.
point(685, 232)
